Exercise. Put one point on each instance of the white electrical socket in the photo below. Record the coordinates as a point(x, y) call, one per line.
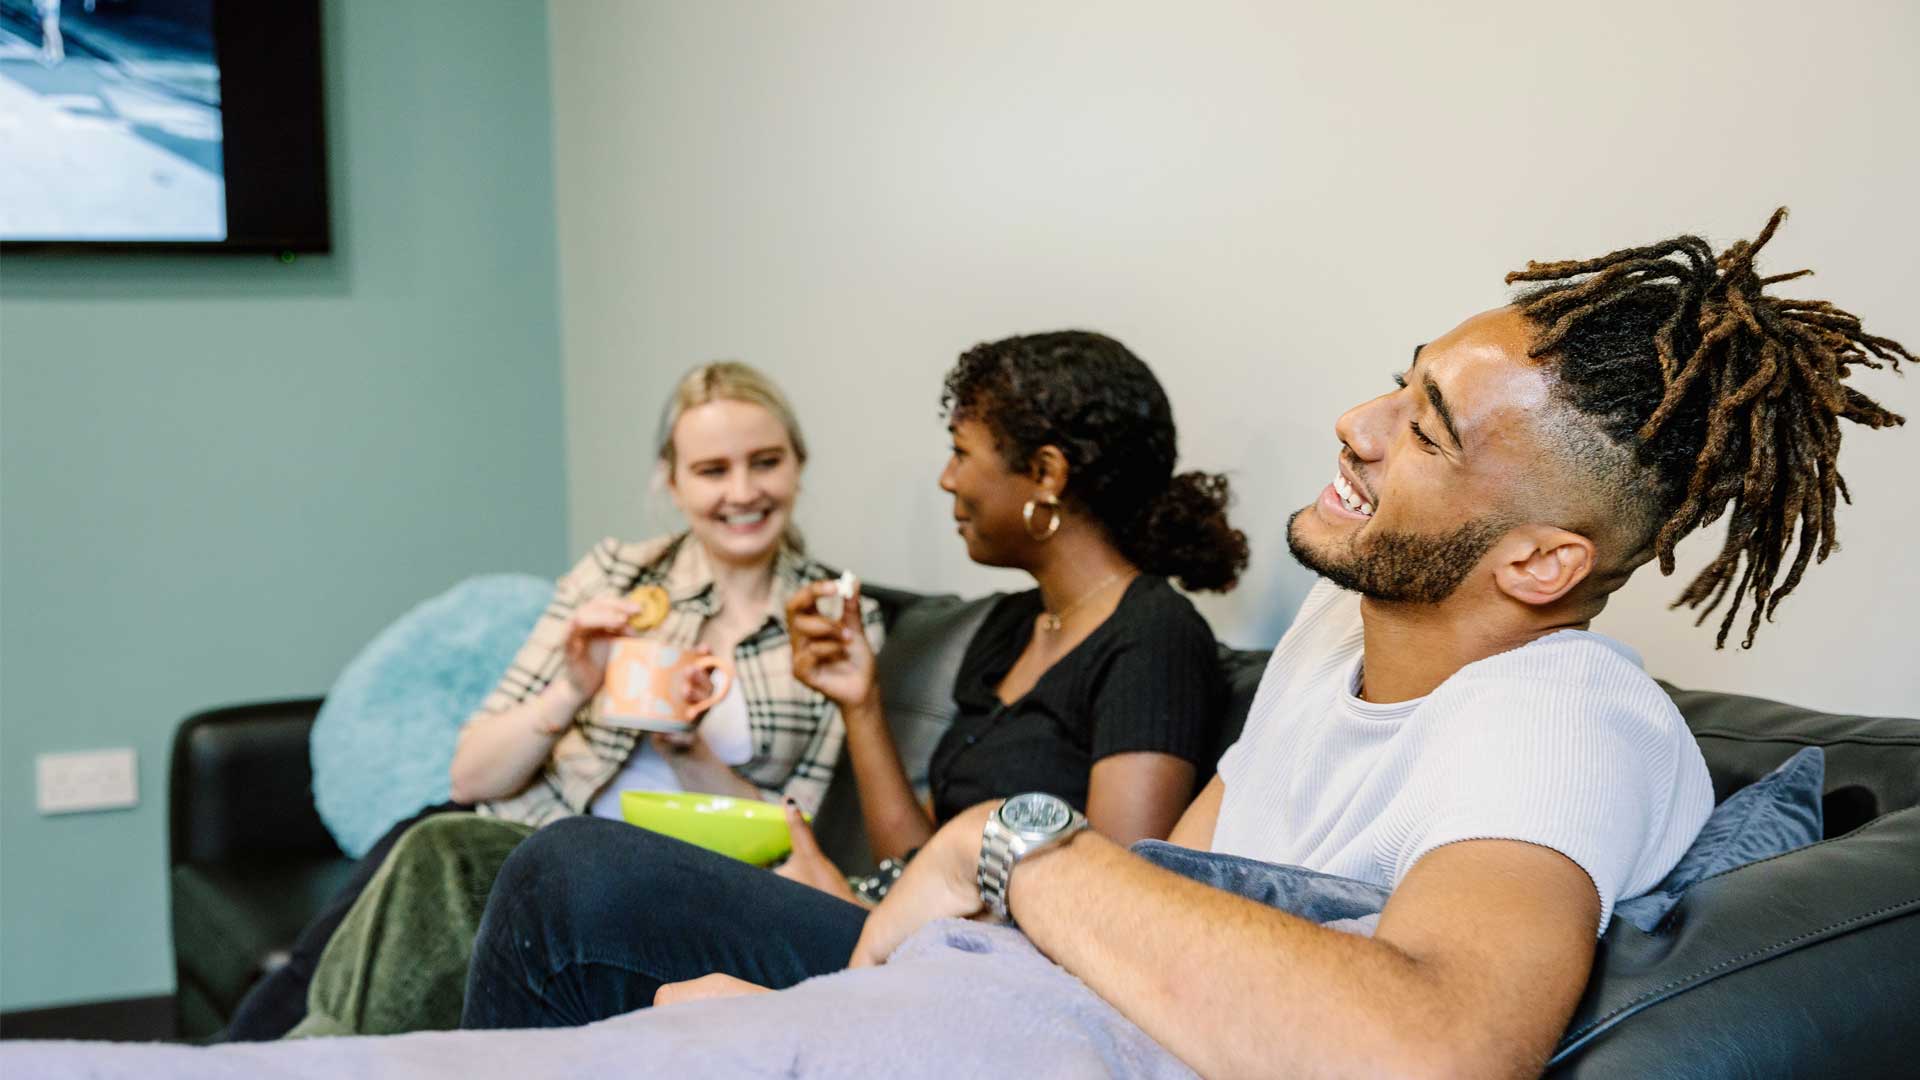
point(87, 780)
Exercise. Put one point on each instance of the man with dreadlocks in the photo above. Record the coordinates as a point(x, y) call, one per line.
point(1438, 725)
point(1439, 720)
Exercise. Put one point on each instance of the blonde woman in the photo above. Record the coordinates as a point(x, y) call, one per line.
point(731, 453)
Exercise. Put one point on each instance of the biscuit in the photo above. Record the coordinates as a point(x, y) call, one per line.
point(654, 606)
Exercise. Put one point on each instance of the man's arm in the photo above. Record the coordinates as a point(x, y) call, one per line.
point(1195, 828)
point(1478, 961)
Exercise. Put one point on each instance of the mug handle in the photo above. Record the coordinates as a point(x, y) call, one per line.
point(721, 683)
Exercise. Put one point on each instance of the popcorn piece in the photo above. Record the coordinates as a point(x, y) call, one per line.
point(834, 604)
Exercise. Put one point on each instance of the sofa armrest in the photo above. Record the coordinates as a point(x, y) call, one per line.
point(241, 786)
point(1798, 965)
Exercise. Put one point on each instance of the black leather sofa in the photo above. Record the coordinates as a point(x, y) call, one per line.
point(1803, 965)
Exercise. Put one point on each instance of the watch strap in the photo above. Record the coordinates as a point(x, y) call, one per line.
point(996, 868)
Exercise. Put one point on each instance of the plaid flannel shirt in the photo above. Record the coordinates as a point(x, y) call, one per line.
point(797, 733)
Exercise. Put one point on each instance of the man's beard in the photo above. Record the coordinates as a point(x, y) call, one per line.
point(1402, 567)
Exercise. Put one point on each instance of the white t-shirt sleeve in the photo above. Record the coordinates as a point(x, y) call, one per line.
point(1570, 747)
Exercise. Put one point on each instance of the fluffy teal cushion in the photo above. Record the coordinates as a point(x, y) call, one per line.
point(384, 737)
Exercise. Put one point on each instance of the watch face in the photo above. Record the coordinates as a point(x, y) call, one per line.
point(1036, 813)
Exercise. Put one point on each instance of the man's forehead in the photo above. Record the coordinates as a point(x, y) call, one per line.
point(1482, 368)
point(1502, 330)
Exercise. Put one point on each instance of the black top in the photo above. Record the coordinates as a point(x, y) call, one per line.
point(1147, 679)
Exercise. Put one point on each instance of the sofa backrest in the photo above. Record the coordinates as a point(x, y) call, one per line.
point(1873, 763)
point(1240, 669)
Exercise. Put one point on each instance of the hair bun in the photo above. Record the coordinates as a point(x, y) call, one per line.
point(1184, 534)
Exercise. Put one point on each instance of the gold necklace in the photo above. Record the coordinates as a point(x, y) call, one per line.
point(1051, 623)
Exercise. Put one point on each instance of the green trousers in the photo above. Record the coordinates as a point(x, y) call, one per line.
point(399, 960)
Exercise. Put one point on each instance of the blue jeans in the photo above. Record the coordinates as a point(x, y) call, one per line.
point(589, 917)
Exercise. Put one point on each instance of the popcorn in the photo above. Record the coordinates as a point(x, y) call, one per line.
point(834, 604)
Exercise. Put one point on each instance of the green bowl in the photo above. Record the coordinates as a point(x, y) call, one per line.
point(746, 829)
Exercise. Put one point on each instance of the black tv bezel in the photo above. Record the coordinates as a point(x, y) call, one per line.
point(273, 144)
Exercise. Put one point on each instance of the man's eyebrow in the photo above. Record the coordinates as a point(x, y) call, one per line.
point(1446, 414)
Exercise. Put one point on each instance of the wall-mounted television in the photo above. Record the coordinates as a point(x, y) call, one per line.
point(162, 124)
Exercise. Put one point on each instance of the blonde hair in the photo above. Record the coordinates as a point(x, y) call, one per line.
point(726, 380)
point(729, 380)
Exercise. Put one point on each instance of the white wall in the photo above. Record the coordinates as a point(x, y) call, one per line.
point(1270, 204)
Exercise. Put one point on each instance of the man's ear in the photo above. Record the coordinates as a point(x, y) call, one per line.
point(1048, 468)
point(1539, 564)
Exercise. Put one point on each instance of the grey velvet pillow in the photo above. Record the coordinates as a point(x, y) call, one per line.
point(1771, 816)
point(1337, 902)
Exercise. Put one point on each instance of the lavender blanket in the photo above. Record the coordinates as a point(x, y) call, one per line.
point(957, 999)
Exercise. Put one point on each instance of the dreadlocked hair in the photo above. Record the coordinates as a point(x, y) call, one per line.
point(1729, 398)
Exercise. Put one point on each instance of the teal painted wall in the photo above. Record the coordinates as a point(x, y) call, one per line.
point(220, 476)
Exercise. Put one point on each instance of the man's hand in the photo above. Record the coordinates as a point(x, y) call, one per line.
point(940, 883)
point(704, 988)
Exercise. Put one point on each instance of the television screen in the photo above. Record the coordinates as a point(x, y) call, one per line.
point(162, 123)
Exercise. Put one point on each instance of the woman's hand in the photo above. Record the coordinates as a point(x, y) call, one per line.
point(808, 865)
point(695, 685)
point(689, 755)
point(590, 633)
point(699, 769)
point(834, 658)
point(940, 883)
point(704, 988)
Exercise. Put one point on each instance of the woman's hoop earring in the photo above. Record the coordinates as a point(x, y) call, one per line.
point(1052, 503)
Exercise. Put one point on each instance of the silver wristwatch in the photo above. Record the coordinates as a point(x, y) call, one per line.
point(1023, 825)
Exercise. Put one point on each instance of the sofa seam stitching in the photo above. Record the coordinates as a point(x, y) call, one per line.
point(1763, 950)
point(1737, 735)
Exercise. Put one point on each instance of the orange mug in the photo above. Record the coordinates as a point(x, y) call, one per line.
point(642, 687)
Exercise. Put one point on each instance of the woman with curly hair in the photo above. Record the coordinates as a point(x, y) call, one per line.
point(1099, 685)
